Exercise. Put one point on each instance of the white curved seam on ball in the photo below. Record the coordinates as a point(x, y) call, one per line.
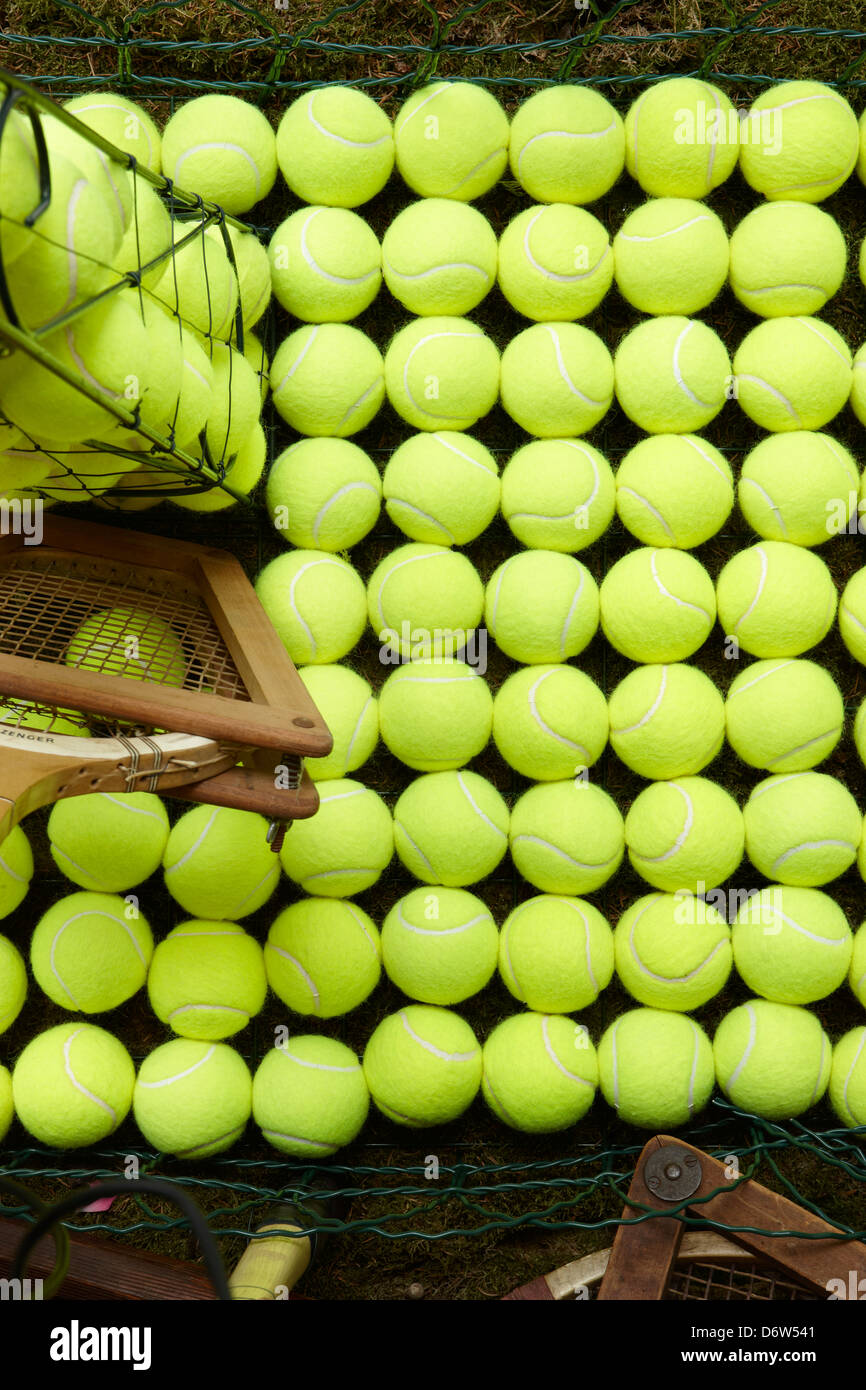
point(674, 979)
point(296, 578)
point(84, 370)
point(125, 112)
point(543, 724)
point(545, 516)
point(196, 1149)
point(672, 231)
point(694, 1071)
point(555, 849)
point(210, 1007)
point(817, 1087)
point(359, 921)
point(196, 844)
point(843, 462)
point(587, 944)
point(461, 453)
point(180, 935)
point(763, 675)
point(772, 289)
point(813, 844)
point(589, 457)
point(417, 275)
point(476, 169)
point(223, 145)
point(115, 190)
point(498, 591)
point(417, 848)
point(692, 442)
point(666, 593)
point(747, 1052)
point(431, 96)
point(334, 498)
point(711, 159)
point(356, 405)
point(71, 252)
point(512, 1119)
point(477, 809)
point(563, 638)
point(395, 569)
point(683, 835)
point(783, 777)
point(336, 873)
point(70, 921)
point(7, 869)
point(320, 269)
point(442, 931)
point(319, 1146)
point(132, 810)
point(306, 977)
point(562, 135)
point(852, 617)
point(810, 935)
point(650, 508)
point(178, 1075)
point(432, 1048)
point(197, 374)
point(273, 870)
point(636, 127)
point(424, 516)
point(645, 718)
point(356, 732)
point(311, 338)
point(316, 1066)
point(80, 868)
point(810, 328)
point(416, 347)
point(801, 747)
point(675, 368)
point(506, 949)
point(563, 370)
point(780, 520)
point(556, 1060)
point(467, 679)
point(849, 1074)
point(762, 579)
point(79, 1086)
point(342, 139)
point(552, 274)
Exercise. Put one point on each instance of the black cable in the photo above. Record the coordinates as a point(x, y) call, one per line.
point(23, 1195)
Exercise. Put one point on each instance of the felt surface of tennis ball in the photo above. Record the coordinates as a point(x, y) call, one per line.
point(655, 1068)
point(787, 258)
point(252, 268)
point(792, 945)
point(852, 615)
point(555, 262)
point(857, 973)
point(7, 1107)
point(566, 837)
point(450, 828)
point(326, 264)
point(108, 842)
point(196, 394)
point(556, 379)
point(435, 715)
point(72, 1085)
point(198, 282)
point(671, 256)
point(345, 847)
point(681, 138)
point(423, 1066)
point(323, 494)
point(451, 140)
point(847, 1078)
point(19, 173)
point(192, 1099)
point(218, 864)
point(539, 1072)
point(684, 835)
point(327, 379)
point(799, 487)
point(555, 954)
point(567, 144)
point(657, 605)
point(442, 373)
point(754, 592)
point(424, 600)
point(91, 952)
point(792, 374)
point(772, 1059)
point(310, 1097)
point(123, 122)
point(348, 706)
point(800, 141)
point(236, 404)
point(316, 602)
point(666, 721)
point(550, 722)
point(441, 488)
point(323, 958)
point(222, 148)
point(207, 980)
point(335, 146)
point(16, 857)
point(802, 828)
point(674, 490)
point(242, 475)
point(784, 716)
point(147, 236)
point(558, 494)
point(128, 642)
point(439, 946)
point(672, 375)
point(13, 984)
point(541, 606)
point(439, 257)
point(673, 951)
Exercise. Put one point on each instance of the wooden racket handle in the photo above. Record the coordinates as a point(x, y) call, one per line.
point(253, 789)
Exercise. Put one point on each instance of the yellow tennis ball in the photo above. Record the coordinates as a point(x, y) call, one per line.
point(198, 282)
point(657, 605)
point(90, 952)
point(684, 835)
point(107, 842)
point(348, 706)
point(787, 258)
point(847, 1078)
point(7, 1107)
point(243, 474)
point(753, 592)
point(540, 1072)
point(567, 144)
point(16, 858)
point(792, 945)
point(13, 985)
point(323, 494)
point(424, 600)
point(328, 379)
point(860, 744)
point(555, 954)
point(555, 262)
point(326, 264)
point(221, 148)
point(541, 607)
point(852, 615)
point(671, 256)
point(450, 828)
point(451, 141)
point(323, 958)
point(110, 177)
point(566, 837)
point(258, 359)
point(558, 494)
point(673, 951)
point(672, 375)
point(442, 373)
point(423, 1066)
point(129, 642)
point(784, 716)
point(310, 1097)
point(799, 487)
point(792, 374)
point(236, 404)
point(857, 973)
point(218, 864)
point(441, 487)
point(252, 269)
point(803, 828)
point(772, 1059)
point(207, 980)
point(556, 379)
point(681, 138)
point(345, 847)
point(22, 714)
point(72, 1085)
point(192, 1099)
point(147, 236)
point(316, 602)
point(123, 122)
point(666, 721)
point(800, 140)
point(435, 714)
point(674, 490)
point(19, 175)
point(655, 1068)
point(335, 146)
point(195, 395)
point(550, 722)
point(439, 947)
point(439, 257)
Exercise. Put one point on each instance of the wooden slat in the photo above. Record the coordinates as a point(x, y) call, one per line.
point(642, 1257)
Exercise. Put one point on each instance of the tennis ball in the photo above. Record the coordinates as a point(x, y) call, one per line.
point(110, 177)
point(326, 264)
point(772, 1059)
point(316, 602)
point(450, 828)
point(860, 744)
point(252, 268)
point(22, 714)
point(223, 149)
point(672, 375)
point(108, 842)
point(423, 1066)
point(847, 1079)
point(556, 379)
point(555, 954)
point(255, 354)
point(555, 262)
point(671, 256)
point(857, 973)
point(566, 837)
point(13, 984)
point(72, 1085)
point(451, 141)
point(558, 494)
point(323, 494)
point(19, 176)
point(852, 615)
point(655, 1068)
point(787, 258)
point(441, 488)
point(657, 605)
point(800, 140)
point(799, 487)
point(567, 145)
point(192, 1099)
point(310, 1097)
point(424, 600)
point(123, 122)
point(236, 404)
point(539, 1073)
point(435, 715)
point(345, 847)
point(198, 282)
point(784, 716)
point(147, 236)
point(674, 490)
point(541, 607)
point(243, 474)
point(327, 378)
point(335, 146)
point(218, 864)
point(753, 592)
point(681, 138)
point(196, 394)
point(348, 706)
point(673, 951)
point(440, 946)
point(684, 835)
point(792, 945)
point(666, 721)
point(16, 858)
point(439, 257)
point(7, 1108)
point(803, 828)
point(792, 374)
point(442, 373)
point(323, 958)
point(550, 722)
point(129, 642)
point(207, 980)
point(90, 952)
